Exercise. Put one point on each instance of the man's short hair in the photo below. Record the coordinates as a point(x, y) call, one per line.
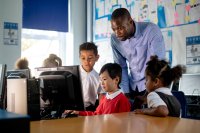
point(120, 13)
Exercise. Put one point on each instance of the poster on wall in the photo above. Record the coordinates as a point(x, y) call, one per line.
point(10, 33)
point(167, 36)
point(165, 13)
point(177, 12)
point(193, 50)
point(140, 10)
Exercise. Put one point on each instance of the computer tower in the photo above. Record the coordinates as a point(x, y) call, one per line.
point(23, 97)
point(33, 99)
point(17, 96)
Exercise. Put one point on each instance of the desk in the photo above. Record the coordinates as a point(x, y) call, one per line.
point(117, 123)
point(14, 123)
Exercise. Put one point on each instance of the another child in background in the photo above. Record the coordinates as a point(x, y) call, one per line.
point(114, 101)
point(160, 100)
point(22, 63)
point(52, 61)
point(88, 55)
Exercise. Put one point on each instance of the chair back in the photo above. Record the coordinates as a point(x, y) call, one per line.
point(181, 98)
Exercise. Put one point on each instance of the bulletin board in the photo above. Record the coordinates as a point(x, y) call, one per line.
point(179, 21)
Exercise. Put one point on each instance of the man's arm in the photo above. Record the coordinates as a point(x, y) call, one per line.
point(157, 45)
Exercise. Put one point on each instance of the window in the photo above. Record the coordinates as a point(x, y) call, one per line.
point(45, 31)
point(38, 44)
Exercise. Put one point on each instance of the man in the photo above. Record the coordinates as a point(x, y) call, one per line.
point(133, 43)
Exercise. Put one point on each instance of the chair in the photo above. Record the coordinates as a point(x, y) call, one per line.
point(181, 98)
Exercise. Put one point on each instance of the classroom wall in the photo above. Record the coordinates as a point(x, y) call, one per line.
point(179, 35)
point(78, 26)
point(179, 22)
point(89, 20)
point(10, 11)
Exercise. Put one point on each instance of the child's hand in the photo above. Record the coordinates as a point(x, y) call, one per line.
point(71, 112)
point(138, 111)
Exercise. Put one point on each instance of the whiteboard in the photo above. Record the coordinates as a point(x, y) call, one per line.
point(190, 84)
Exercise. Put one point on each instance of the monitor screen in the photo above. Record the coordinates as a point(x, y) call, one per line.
point(20, 73)
point(189, 84)
point(2, 86)
point(60, 90)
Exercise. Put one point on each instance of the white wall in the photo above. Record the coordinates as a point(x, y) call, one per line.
point(10, 11)
point(89, 20)
point(78, 26)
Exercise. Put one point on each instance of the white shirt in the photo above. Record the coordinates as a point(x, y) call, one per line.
point(154, 100)
point(113, 95)
point(91, 86)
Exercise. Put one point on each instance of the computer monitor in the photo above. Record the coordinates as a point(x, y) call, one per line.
point(19, 73)
point(39, 70)
point(189, 84)
point(60, 90)
point(2, 86)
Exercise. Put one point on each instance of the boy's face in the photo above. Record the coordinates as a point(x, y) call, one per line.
point(88, 59)
point(107, 83)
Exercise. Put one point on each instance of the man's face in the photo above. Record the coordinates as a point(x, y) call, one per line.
point(123, 28)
